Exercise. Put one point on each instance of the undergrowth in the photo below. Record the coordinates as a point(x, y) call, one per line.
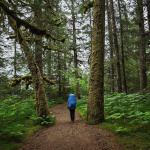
point(53, 102)
point(128, 116)
point(18, 120)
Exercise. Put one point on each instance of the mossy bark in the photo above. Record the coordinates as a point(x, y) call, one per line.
point(112, 89)
point(122, 49)
point(143, 75)
point(119, 83)
point(38, 44)
point(95, 111)
point(148, 14)
point(39, 91)
point(75, 50)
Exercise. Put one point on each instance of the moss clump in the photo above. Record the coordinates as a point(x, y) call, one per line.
point(26, 78)
point(55, 48)
point(12, 37)
point(51, 82)
point(15, 82)
point(89, 5)
point(63, 40)
point(58, 22)
point(32, 39)
point(28, 81)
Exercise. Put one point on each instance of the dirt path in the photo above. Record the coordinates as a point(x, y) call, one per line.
point(65, 135)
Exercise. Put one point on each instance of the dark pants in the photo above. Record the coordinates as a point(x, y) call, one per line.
point(72, 114)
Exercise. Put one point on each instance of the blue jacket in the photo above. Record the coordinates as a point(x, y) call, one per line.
point(72, 101)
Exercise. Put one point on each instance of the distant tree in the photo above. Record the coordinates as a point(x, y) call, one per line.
point(110, 46)
point(119, 83)
point(122, 48)
point(148, 14)
point(143, 75)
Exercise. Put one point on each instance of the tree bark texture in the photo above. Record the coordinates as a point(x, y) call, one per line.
point(122, 50)
point(59, 76)
point(49, 65)
point(119, 83)
point(15, 59)
point(38, 44)
point(148, 13)
point(75, 51)
point(39, 91)
point(143, 76)
point(111, 47)
point(95, 110)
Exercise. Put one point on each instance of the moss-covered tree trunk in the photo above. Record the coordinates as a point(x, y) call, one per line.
point(59, 76)
point(15, 59)
point(111, 47)
point(143, 75)
point(39, 91)
point(148, 14)
point(38, 44)
point(119, 83)
point(95, 110)
point(122, 49)
point(75, 50)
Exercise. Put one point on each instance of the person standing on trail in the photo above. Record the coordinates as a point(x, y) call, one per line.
point(72, 106)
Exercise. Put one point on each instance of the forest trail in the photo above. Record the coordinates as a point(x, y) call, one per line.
point(65, 135)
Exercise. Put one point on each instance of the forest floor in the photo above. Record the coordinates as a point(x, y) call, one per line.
point(65, 135)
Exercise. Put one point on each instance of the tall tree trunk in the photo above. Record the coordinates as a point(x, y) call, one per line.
point(91, 28)
point(59, 75)
point(119, 85)
point(143, 76)
point(49, 69)
point(95, 110)
point(64, 78)
point(15, 59)
point(39, 91)
point(38, 44)
point(148, 12)
point(59, 60)
point(111, 47)
point(75, 51)
point(122, 50)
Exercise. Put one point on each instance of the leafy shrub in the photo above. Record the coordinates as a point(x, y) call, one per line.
point(126, 115)
point(44, 121)
point(13, 114)
point(133, 108)
point(82, 106)
point(53, 102)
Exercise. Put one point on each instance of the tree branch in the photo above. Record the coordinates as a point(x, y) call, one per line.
point(32, 28)
point(55, 48)
point(88, 6)
point(28, 81)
